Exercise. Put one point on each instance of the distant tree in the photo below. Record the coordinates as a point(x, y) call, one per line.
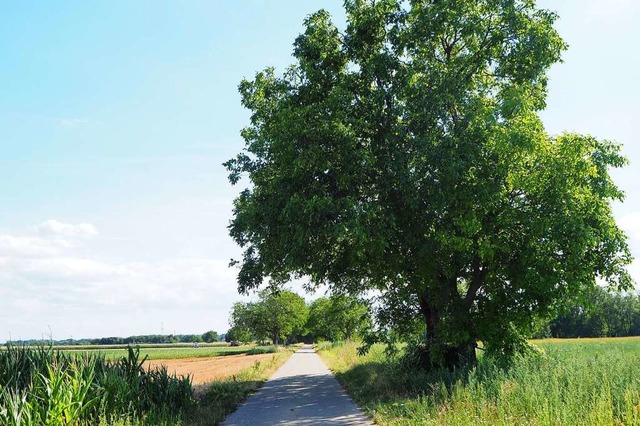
point(238, 334)
point(210, 336)
point(277, 315)
point(635, 324)
point(241, 322)
point(599, 314)
point(318, 323)
point(189, 338)
point(405, 155)
point(337, 317)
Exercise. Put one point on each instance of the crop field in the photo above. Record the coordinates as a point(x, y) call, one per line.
point(572, 382)
point(45, 385)
point(142, 345)
point(164, 352)
point(591, 346)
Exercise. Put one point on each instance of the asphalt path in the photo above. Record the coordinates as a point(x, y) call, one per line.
point(302, 392)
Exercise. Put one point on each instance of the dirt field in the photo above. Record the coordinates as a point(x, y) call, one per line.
point(205, 370)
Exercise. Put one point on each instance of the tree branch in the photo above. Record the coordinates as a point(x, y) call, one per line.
point(479, 274)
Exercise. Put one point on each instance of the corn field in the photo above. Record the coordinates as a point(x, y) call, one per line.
point(43, 386)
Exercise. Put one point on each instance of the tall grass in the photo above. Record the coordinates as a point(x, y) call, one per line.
point(44, 386)
point(564, 386)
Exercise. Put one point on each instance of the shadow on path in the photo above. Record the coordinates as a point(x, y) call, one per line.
point(302, 392)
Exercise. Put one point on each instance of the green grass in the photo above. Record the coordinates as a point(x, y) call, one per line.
point(591, 346)
point(575, 382)
point(153, 352)
point(141, 345)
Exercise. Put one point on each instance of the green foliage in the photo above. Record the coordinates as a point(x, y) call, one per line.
point(190, 338)
point(277, 315)
point(238, 333)
point(599, 314)
point(337, 317)
point(569, 383)
point(405, 155)
point(210, 336)
point(45, 386)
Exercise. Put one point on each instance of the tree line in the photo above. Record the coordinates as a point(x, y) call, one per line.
point(285, 317)
point(208, 337)
point(600, 314)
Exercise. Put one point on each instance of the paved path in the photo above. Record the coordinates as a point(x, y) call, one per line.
point(302, 392)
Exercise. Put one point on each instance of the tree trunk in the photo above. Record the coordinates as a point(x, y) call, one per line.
point(439, 352)
point(463, 355)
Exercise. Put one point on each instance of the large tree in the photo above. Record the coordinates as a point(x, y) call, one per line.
point(405, 155)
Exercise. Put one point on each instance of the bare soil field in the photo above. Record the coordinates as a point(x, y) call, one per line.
point(206, 370)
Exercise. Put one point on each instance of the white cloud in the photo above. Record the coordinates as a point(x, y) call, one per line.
point(48, 277)
point(630, 223)
point(55, 228)
point(28, 246)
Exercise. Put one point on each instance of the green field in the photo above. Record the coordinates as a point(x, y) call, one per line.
point(573, 382)
point(180, 352)
point(162, 351)
point(591, 346)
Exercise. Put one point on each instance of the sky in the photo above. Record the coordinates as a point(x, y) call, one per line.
point(116, 117)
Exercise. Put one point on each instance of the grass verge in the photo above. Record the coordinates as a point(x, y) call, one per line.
point(569, 384)
point(154, 353)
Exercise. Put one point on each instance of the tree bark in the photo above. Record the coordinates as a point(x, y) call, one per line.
point(464, 354)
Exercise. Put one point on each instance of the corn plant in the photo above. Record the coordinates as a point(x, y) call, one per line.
point(43, 386)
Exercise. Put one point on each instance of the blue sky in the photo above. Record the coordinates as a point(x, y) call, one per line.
point(115, 118)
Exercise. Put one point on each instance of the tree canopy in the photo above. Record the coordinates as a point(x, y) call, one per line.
point(276, 316)
point(210, 336)
point(338, 317)
point(601, 314)
point(404, 156)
